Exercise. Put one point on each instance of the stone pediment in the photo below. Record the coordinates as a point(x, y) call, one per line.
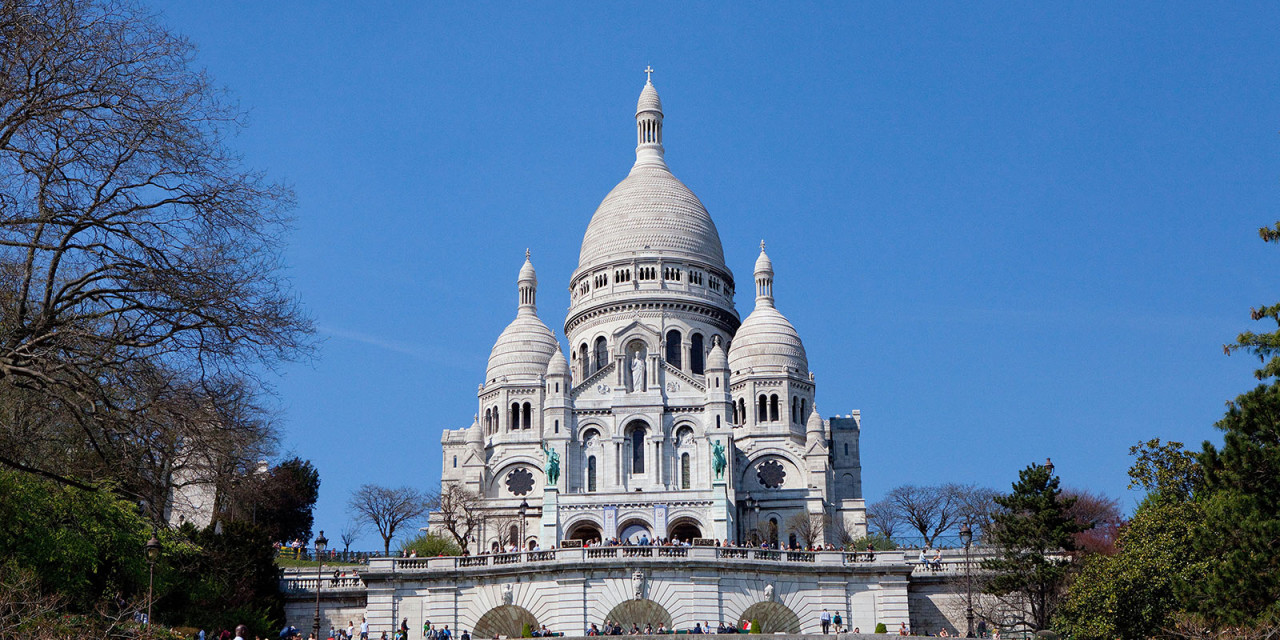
point(681, 379)
point(597, 385)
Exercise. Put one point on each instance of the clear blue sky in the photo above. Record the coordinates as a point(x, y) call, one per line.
point(1004, 231)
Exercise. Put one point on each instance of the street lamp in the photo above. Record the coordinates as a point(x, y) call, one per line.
point(321, 541)
point(1048, 464)
point(524, 508)
point(153, 554)
point(966, 536)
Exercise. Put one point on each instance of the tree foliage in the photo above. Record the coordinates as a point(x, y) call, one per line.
point(1135, 593)
point(140, 279)
point(222, 578)
point(1241, 501)
point(1033, 536)
point(280, 502)
point(388, 509)
point(430, 544)
point(1264, 346)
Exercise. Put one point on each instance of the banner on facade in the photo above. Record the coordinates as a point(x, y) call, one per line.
point(610, 522)
point(659, 521)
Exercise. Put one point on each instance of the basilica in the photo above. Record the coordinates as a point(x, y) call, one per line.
point(671, 416)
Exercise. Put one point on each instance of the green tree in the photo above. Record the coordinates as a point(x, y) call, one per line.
point(220, 579)
point(1265, 346)
point(1241, 501)
point(281, 501)
point(1134, 594)
point(1033, 536)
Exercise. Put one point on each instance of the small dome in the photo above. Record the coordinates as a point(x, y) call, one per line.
point(558, 365)
point(767, 343)
point(815, 421)
point(763, 264)
point(649, 100)
point(523, 350)
point(527, 273)
point(716, 359)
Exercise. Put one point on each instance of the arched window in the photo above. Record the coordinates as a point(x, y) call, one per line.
point(696, 359)
point(637, 450)
point(762, 411)
point(591, 474)
point(804, 410)
point(513, 536)
point(684, 471)
point(488, 428)
point(773, 407)
point(528, 415)
point(582, 361)
point(673, 348)
point(742, 411)
point(773, 532)
point(733, 413)
point(717, 421)
point(557, 426)
point(602, 353)
point(846, 448)
point(455, 462)
point(792, 539)
point(515, 417)
point(795, 410)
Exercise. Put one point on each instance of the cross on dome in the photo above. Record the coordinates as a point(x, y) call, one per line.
point(648, 73)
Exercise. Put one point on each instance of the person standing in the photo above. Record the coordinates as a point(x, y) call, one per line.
point(837, 622)
point(364, 628)
point(826, 621)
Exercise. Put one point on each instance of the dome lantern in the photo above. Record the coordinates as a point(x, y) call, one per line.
point(764, 278)
point(649, 124)
point(528, 285)
point(524, 348)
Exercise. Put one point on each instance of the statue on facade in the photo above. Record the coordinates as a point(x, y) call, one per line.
point(637, 371)
point(637, 584)
point(718, 459)
point(553, 465)
point(768, 592)
point(507, 595)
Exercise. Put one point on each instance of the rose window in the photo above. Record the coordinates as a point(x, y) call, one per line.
point(520, 482)
point(770, 474)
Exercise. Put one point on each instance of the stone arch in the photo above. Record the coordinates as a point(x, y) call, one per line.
point(638, 612)
point(585, 530)
point(505, 620)
point(632, 527)
point(685, 528)
point(774, 617)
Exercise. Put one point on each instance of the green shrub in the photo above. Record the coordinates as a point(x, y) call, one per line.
point(755, 626)
point(431, 544)
point(880, 628)
point(877, 542)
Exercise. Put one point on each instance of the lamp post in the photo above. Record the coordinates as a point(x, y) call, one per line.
point(153, 554)
point(966, 536)
point(524, 508)
point(321, 541)
point(1048, 464)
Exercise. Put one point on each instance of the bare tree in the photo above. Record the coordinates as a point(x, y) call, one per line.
point(929, 510)
point(460, 512)
point(350, 531)
point(1100, 517)
point(976, 506)
point(882, 518)
point(808, 527)
point(141, 288)
point(388, 509)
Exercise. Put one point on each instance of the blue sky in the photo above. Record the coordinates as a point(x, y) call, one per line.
point(1004, 231)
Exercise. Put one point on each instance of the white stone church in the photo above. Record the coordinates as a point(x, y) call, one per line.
point(671, 417)
point(662, 373)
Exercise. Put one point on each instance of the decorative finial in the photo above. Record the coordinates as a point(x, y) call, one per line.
point(526, 253)
point(762, 245)
point(648, 74)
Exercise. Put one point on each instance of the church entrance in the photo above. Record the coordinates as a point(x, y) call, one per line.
point(685, 529)
point(586, 532)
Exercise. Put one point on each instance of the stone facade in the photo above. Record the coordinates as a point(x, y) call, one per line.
point(661, 375)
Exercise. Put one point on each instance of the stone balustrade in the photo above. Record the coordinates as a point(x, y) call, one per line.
point(612, 555)
point(344, 583)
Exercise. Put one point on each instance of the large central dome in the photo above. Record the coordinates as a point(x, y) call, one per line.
point(650, 212)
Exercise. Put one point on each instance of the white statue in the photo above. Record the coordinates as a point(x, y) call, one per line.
point(768, 592)
point(507, 595)
point(637, 371)
point(637, 584)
